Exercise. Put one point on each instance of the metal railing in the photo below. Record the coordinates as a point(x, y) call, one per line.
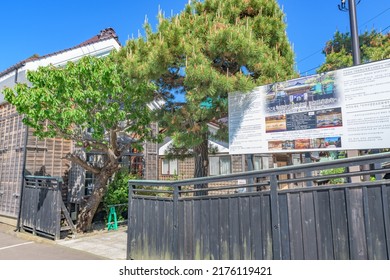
point(295, 174)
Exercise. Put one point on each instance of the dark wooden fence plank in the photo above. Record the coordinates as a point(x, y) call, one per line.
point(340, 234)
point(324, 226)
point(29, 207)
point(181, 230)
point(147, 227)
point(152, 228)
point(141, 228)
point(139, 236)
point(376, 236)
point(284, 227)
point(367, 223)
point(168, 211)
point(245, 228)
point(295, 226)
point(214, 229)
point(197, 229)
point(309, 233)
point(224, 229)
point(257, 240)
point(274, 200)
point(188, 230)
point(205, 229)
point(386, 215)
point(358, 245)
point(159, 207)
point(266, 227)
point(131, 231)
point(235, 248)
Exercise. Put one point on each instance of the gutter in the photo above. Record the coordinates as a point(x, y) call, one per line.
point(13, 68)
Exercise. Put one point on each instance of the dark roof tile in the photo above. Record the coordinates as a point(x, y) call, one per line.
point(104, 34)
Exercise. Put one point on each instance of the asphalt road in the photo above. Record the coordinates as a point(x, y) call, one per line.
point(23, 247)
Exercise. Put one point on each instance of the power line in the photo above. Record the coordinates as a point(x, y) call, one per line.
point(314, 68)
point(303, 59)
point(381, 13)
point(378, 15)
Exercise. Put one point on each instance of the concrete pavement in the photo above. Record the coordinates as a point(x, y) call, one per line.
point(109, 244)
point(98, 245)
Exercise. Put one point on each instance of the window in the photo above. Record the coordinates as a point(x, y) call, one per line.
point(220, 165)
point(89, 181)
point(260, 163)
point(169, 167)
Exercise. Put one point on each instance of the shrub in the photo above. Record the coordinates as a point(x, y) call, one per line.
point(332, 171)
point(118, 193)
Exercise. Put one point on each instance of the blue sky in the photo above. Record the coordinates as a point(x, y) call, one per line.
point(42, 26)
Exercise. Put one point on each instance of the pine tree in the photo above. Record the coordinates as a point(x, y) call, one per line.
point(212, 48)
point(338, 51)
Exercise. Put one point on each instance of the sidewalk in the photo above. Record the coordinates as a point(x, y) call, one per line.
point(103, 243)
point(109, 244)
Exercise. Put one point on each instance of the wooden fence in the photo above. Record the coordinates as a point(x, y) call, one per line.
point(269, 219)
point(42, 207)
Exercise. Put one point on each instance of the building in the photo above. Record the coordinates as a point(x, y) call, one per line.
point(220, 161)
point(23, 153)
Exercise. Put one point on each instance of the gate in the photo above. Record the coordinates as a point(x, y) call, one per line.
point(42, 207)
point(292, 219)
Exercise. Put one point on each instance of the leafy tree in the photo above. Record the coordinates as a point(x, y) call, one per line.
point(338, 51)
point(212, 48)
point(94, 103)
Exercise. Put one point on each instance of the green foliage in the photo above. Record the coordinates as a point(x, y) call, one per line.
point(153, 191)
point(93, 93)
point(213, 48)
point(332, 171)
point(338, 51)
point(118, 193)
point(118, 189)
point(379, 48)
point(96, 103)
point(336, 60)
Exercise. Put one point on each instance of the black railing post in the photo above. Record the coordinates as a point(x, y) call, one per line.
point(175, 237)
point(35, 206)
point(308, 173)
point(57, 189)
point(129, 228)
point(386, 217)
point(275, 220)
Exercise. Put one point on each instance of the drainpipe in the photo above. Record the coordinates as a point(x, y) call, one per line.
point(23, 165)
point(22, 177)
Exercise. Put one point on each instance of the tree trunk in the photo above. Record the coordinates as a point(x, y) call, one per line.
point(201, 155)
point(87, 212)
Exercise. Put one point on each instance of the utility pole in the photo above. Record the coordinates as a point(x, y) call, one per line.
point(354, 29)
point(354, 32)
point(356, 61)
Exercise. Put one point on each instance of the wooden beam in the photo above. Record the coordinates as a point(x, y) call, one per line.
point(68, 218)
